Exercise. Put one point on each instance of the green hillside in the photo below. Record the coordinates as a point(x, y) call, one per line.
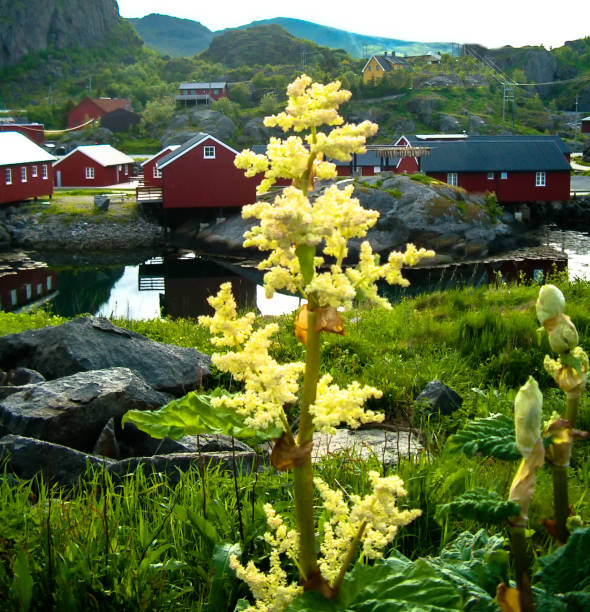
point(172, 36)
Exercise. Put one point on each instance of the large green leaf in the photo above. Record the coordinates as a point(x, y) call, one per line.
point(194, 414)
point(222, 576)
point(480, 505)
point(492, 437)
point(566, 569)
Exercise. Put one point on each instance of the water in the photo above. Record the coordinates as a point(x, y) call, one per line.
point(176, 285)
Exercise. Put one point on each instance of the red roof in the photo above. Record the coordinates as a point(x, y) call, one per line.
point(108, 105)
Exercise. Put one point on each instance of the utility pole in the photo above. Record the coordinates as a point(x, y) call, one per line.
point(508, 97)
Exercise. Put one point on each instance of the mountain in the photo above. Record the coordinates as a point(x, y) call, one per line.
point(183, 37)
point(34, 26)
point(262, 45)
point(356, 45)
point(171, 35)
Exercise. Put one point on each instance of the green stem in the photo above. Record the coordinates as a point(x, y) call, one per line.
point(303, 474)
point(349, 557)
point(561, 505)
point(571, 410)
point(521, 569)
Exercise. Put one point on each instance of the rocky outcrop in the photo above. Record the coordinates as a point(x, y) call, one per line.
point(184, 126)
point(435, 216)
point(94, 343)
point(36, 25)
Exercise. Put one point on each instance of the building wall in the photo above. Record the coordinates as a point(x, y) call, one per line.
point(26, 286)
point(191, 181)
point(84, 111)
point(149, 179)
point(517, 187)
point(33, 131)
point(72, 171)
point(23, 190)
point(373, 71)
point(586, 126)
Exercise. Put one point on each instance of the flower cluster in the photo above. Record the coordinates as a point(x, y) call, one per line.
point(373, 519)
point(271, 590)
point(268, 385)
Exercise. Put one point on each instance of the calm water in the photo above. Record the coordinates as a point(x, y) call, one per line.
point(178, 285)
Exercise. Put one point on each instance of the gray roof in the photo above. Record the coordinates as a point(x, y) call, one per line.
point(208, 85)
point(495, 154)
point(187, 146)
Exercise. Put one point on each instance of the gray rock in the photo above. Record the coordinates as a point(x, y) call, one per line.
point(449, 124)
point(27, 458)
point(437, 397)
point(476, 124)
point(214, 123)
point(94, 343)
point(23, 376)
point(381, 444)
point(73, 410)
point(172, 465)
point(107, 444)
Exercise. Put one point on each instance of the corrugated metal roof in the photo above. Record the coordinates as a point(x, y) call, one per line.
point(15, 148)
point(169, 148)
point(105, 155)
point(216, 85)
point(494, 155)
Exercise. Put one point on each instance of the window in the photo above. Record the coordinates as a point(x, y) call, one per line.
point(452, 179)
point(49, 283)
point(29, 291)
point(8, 176)
point(490, 176)
point(39, 288)
point(44, 171)
point(503, 175)
point(13, 297)
point(540, 179)
point(209, 152)
point(34, 173)
point(157, 173)
point(89, 173)
point(23, 174)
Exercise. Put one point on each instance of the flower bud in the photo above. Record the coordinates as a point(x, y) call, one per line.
point(528, 415)
point(563, 336)
point(550, 302)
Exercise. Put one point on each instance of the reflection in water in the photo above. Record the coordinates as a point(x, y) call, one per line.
point(179, 285)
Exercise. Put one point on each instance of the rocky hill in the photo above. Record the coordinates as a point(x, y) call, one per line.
point(32, 26)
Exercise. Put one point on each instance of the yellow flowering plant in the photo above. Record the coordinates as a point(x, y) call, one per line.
point(305, 232)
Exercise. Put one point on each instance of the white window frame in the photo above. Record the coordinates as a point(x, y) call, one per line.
point(13, 297)
point(49, 283)
point(44, 172)
point(29, 291)
point(8, 176)
point(89, 173)
point(156, 172)
point(23, 174)
point(209, 152)
point(39, 288)
point(34, 172)
point(490, 176)
point(452, 179)
point(540, 179)
point(504, 176)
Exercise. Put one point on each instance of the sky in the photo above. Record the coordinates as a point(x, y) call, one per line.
point(492, 24)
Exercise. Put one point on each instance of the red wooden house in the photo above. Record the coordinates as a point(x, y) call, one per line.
point(200, 174)
point(95, 108)
point(25, 169)
point(93, 166)
point(34, 131)
point(586, 125)
point(191, 94)
point(152, 175)
point(26, 287)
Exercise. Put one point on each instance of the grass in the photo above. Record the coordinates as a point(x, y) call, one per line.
point(144, 544)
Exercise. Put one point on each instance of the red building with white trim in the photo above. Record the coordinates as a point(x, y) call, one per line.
point(26, 287)
point(192, 94)
point(93, 166)
point(95, 108)
point(33, 131)
point(200, 174)
point(152, 175)
point(26, 169)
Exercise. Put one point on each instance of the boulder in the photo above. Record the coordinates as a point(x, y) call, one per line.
point(94, 343)
point(107, 444)
point(73, 410)
point(172, 465)
point(214, 123)
point(449, 124)
point(436, 397)
point(57, 464)
point(381, 444)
